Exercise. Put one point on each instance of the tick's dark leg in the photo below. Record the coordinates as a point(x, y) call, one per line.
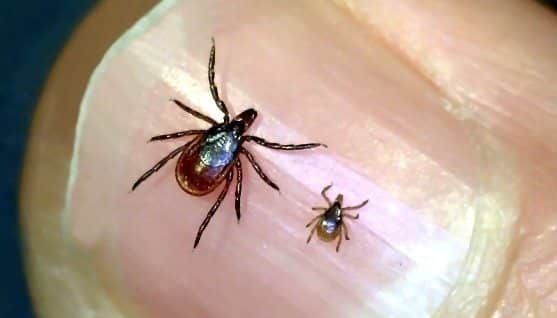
point(274, 145)
point(213, 209)
point(318, 208)
point(177, 134)
point(238, 195)
point(213, 87)
point(324, 194)
point(159, 165)
point(356, 206)
point(314, 219)
point(339, 240)
point(350, 216)
point(311, 234)
point(345, 231)
point(194, 113)
point(257, 169)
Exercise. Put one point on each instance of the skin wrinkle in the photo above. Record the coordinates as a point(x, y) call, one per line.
point(413, 66)
point(424, 66)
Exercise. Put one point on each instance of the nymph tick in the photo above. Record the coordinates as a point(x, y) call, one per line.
point(330, 223)
point(212, 156)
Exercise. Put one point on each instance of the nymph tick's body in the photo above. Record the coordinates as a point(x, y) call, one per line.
point(212, 156)
point(330, 224)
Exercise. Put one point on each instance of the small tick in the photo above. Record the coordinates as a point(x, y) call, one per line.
point(330, 224)
point(212, 156)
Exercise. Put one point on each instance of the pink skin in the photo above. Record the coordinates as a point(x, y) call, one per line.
point(430, 110)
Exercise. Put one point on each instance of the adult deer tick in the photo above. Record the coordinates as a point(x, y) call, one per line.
point(330, 224)
point(212, 156)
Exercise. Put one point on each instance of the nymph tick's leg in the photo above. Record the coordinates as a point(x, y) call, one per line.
point(339, 239)
point(356, 206)
point(311, 234)
point(318, 208)
point(257, 169)
point(159, 165)
point(274, 145)
point(214, 90)
point(313, 220)
point(213, 208)
point(345, 231)
point(238, 195)
point(350, 216)
point(324, 193)
point(194, 113)
point(177, 134)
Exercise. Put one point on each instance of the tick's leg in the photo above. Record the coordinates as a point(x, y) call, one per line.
point(257, 169)
point(238, 195)
point(350, 216)
point(213, 209)
point(177, 134)
point(324, 194)
point(345, 231)
point(356, 206)
point(318, 208)
point(274, 145)
point(159, 165)
point(311, 234)
point(213, 87)
point(339, 239)
point(313, 220)
point(194, 113)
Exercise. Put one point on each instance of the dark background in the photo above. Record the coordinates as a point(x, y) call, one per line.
point(33, 32)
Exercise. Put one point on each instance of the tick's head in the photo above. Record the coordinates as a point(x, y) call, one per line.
point(245, 119)
point(339, 199)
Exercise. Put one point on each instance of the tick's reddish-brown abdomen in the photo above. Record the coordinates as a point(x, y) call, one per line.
point(194, 176)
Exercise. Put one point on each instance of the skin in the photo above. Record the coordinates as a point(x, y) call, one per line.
point(442, 114)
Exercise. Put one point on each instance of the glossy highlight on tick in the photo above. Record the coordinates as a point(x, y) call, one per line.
point(212, 156)
point(330, 224)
